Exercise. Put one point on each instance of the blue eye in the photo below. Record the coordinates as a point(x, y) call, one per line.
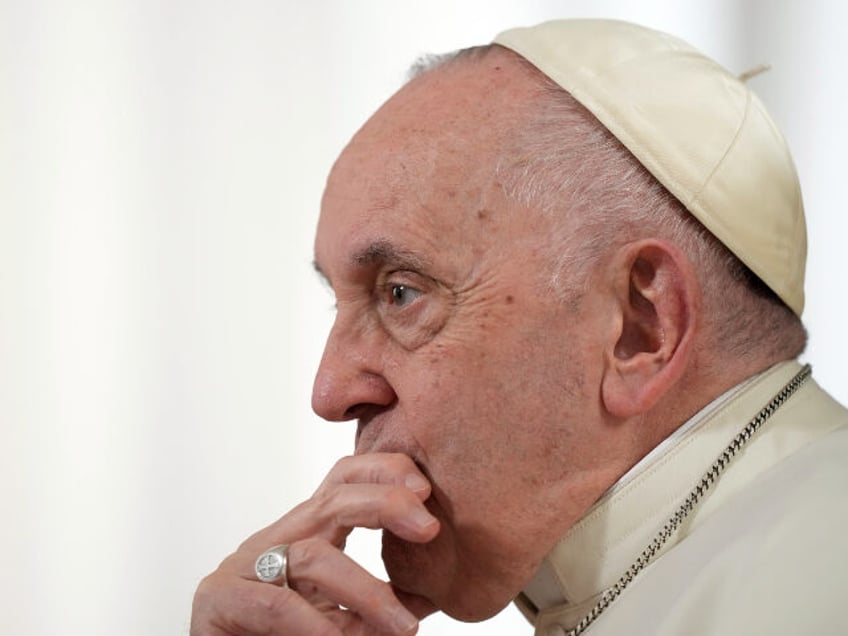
point(403, 295)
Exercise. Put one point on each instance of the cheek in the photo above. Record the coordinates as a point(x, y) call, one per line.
point(465, 408)
point(446, 397)
point(490, 392)
point(480, 410)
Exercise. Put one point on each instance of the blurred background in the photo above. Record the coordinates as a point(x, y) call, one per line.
point(161, 166)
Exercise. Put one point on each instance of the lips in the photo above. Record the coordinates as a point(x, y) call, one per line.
point(368, 442)
point(372, 438)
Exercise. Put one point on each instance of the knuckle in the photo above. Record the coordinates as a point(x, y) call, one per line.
point(304, 554)
point(205, 594)
point(397, 499)
point(342, 462)
point(341, 467)
point(378, 596)
point(325, 504)
point(268, 611)
point(276, 606)
point(400, 462)
point(199, 611)
point(392, 466)
point(203, 587)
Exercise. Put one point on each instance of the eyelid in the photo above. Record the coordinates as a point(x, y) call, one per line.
point(410, 278)
point(418, 317)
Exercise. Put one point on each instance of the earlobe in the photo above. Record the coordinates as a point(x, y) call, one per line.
point(656, 293)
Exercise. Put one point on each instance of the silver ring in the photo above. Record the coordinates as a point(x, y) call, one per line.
point(272, 564)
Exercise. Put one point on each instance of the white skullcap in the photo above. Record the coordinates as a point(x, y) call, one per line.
point(699, 130)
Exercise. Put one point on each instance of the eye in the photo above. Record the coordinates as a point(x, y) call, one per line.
point(403, 295)
point(412, 308)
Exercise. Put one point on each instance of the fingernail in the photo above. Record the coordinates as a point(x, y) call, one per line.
point(404, 622)
point(422, 518)
point(416, 483)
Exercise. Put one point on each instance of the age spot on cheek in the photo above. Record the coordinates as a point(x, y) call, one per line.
point(509, 299)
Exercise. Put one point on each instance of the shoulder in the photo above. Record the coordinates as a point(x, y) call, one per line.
point(772, 559)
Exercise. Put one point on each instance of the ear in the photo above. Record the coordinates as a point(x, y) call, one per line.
point(656, 297)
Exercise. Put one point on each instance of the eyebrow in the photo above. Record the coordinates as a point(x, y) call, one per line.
point(378, 254)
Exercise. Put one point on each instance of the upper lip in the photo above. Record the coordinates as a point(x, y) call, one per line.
point(363, 423)
point(370, 440)
point(373, 444)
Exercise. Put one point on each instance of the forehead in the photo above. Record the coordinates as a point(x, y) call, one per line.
point(424, 168)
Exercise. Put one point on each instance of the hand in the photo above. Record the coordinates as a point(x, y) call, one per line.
point(328, 594)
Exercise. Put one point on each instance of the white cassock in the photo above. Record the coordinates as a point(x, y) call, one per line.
point(765, 551)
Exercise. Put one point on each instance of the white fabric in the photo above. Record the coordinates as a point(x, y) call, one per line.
point(763, 553)
point(699, 130)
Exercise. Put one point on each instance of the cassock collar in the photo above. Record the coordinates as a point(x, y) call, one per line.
point(597, 550)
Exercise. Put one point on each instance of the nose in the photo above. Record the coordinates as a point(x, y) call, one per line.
point(350, 381)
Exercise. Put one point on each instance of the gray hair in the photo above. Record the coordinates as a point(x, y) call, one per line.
point(563, 162)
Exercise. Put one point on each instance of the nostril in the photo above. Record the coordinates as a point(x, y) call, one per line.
point(355, 412)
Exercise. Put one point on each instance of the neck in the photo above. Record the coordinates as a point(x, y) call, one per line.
point(706, 380)
point(592, 555)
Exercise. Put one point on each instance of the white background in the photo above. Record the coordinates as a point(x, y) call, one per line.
point(161, 164)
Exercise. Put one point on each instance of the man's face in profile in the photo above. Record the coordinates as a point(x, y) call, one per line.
point(450, 344)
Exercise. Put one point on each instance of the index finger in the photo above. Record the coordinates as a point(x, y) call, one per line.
point(393, 469)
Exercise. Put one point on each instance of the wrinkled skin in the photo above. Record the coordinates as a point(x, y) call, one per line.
point(460, 366)
point(385, 492)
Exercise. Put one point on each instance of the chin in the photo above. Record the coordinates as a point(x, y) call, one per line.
point(429, 571)
point(412, 567)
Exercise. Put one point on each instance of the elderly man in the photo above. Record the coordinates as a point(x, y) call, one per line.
point(569, 272)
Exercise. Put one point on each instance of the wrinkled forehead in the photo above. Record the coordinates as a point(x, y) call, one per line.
point(445, 129)
point(425, 167)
